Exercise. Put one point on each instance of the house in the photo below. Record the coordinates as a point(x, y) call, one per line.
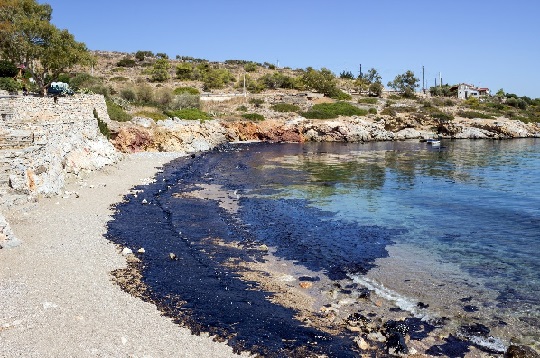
point(465, 91)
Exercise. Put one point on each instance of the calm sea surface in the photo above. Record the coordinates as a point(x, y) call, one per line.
point(468, 216)
point(456, 228)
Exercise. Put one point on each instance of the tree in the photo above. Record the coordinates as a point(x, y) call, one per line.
point(322, 81)
point(405, 83)
point(160, 71)
point(28, 38)
point(346, 75)
point(500, 93)
point(371, 82)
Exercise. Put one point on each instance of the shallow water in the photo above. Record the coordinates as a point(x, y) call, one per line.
point(457, 228)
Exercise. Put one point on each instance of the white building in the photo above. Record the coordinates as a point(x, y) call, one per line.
point(465, 91)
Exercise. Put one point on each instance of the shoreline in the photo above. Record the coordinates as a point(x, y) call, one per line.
point(57, 287)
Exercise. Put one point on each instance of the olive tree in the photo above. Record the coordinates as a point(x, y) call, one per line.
point(405, 83)
point(28, 38)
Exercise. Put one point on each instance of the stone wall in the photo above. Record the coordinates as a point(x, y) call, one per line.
point(42, 140)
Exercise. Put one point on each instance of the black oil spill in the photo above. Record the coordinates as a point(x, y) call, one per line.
point(201, 287)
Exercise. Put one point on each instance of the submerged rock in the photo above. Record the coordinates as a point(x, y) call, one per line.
point(395, 337)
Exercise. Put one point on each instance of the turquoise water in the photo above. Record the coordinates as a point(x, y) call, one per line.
point(469, 214)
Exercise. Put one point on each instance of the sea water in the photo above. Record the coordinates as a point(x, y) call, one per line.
point(455, 227)
point(469, 221)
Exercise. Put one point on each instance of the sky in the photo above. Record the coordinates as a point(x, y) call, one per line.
point(487, 43)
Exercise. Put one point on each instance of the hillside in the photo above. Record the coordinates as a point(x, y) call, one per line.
point(146, 86)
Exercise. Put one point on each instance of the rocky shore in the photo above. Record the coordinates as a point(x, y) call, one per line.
point(142, 134)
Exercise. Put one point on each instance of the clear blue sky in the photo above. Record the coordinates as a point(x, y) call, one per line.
point(489, 43)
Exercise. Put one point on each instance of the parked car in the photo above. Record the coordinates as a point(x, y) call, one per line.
point(59, 89)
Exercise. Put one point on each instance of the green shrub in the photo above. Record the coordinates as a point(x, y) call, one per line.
point(116, 113)
point(253, 116)
point(443, 117)
point(184, 71)
point(163, 97)
point(120, 79)
point(145, 94)
point(156, 116)
point(103, 128)
point(140, 55)
point(257, 102)
point(128, 94)
point(338, 94)
point(389, 111)
point(333, 110)
point(250, 67)
point(8, 69)
point(126, 62)
point(185, 100)
point(242, 108)
point(189, 113)
point(9, 84)
point(368, 100)
point(372, 111)
point(160, 70)
point(285, 107)
point(474, 114)
point(215, 79)
point(186, 90)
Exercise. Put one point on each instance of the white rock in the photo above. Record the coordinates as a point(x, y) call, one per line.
point(126, 251)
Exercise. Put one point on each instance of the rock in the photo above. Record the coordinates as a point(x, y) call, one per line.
point(306, 284)
point(422, 305)
point(395, 337)
point(515, 351)
point(141, 250)
point(7, 237)
point(172, 256)
point(126, 251)
point(362, 344)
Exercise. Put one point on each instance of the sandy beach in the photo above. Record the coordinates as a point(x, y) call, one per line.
point(58, 297)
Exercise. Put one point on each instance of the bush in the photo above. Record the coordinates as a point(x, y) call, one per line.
point(184, 71)
point(116, 113)
point(257, 102)
point(242, 109)
point(441, 116)
point(186, 90)
point(372, 111)
point(250, 67)
point(164, 97)
point(183, 101)
point(285, 107)
point(189, 113)
point(9, 84)
point(160, 71)
point(140, 55)
point(8, 69)
point(389, 111)
point(333, 110)
point(368, 100)
point(215, 79)
point(145, 94)
point(103, 128)
point(128, 94)
point(253, 116)
point(156, 116)
point(474, 114)
point(119, 79)
point(338, 94)
point(126, 62)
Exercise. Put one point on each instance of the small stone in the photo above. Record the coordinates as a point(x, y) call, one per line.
point(354, 329)
point(173, 256)
point(124, 340)
point(306, 284)
point(126, 251)
point(263, 247)
point(144, 201)
point(141, 250)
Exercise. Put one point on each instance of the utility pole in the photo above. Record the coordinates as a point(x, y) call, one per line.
point(423, 81)
point(360, 76)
